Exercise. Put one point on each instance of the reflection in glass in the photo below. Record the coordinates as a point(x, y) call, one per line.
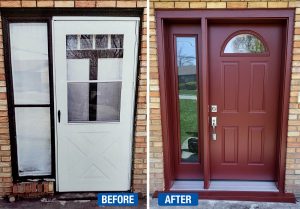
point(33, 141)
point(72, 42)
point(82, 95)
point(78, 101)
point(86, 42)
point(187, 86)
point(109, 101)
point(101, 41)
point(117, 41)
point(245, 43)
point(29, 59)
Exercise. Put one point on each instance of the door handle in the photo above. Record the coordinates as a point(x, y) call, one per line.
point(214, 125)
point(58, 115)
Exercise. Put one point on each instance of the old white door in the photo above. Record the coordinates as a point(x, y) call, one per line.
point(95, 61)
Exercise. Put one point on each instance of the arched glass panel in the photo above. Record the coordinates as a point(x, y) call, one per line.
point(245, 43)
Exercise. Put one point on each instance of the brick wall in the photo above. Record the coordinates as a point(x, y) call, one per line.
point(156, 149)
point(139, 157)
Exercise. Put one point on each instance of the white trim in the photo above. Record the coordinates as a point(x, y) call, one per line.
point(55, 107)
point(94, 81)
point(90, 18)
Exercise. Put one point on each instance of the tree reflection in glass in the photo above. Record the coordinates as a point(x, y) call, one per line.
point(245, 43)
point(187, 86)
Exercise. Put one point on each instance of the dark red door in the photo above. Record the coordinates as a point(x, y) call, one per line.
point(244, 67)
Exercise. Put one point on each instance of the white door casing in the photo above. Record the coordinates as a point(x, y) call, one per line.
point(94, 155)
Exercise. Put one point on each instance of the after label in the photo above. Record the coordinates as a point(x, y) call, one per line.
point(178, 199)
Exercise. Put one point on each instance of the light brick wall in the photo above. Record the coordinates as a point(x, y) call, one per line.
point(156, 149)
point(140, 143)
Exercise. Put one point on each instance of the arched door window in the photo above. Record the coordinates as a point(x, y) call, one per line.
point(245, 42)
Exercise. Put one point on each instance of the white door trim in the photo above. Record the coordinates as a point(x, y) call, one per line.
point(106, 18)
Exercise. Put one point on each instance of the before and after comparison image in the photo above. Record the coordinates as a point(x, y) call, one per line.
point(150, 104)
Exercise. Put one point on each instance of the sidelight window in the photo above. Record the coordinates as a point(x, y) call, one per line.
point(187, 88)
point(31, 104)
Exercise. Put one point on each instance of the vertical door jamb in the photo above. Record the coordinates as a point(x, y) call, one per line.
point(205, 104)
point(286, 80)
point(55, 104)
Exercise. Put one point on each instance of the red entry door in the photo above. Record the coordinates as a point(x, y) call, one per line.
point(244, 67)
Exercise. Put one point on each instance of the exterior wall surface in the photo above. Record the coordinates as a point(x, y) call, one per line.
point(139, 156)
point(292, 182)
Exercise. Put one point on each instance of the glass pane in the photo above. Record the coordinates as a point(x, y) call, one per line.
point(117, 41)
point(245, 43)
point(78, 69)
point(72, 42)
point(33, 140)
point(94, 101)
point(187, 84)
point(78, 101)
point(29, 59)
point(109, 101)
point(86, 42)
point(101, 41)
point(110, 69)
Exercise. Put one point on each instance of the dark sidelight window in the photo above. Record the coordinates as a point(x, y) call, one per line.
point(30, 98)
point(94, 70)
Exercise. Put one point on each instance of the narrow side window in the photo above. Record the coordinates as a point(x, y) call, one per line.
point(31, 97)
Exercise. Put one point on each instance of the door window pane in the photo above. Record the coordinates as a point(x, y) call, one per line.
point(110, 69)
point(108, 101)
point(94, 74)
point(245, 43)
point(29, 60)
point(72, 42)
point(117, 41)
point(101, 41)
point(78, 101)
point(78, 69)
point(33, 140)
point(187, 87)
point(94, 100)
point(86, 42)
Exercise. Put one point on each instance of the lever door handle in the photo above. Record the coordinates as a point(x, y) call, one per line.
point(214, 125)
point(58, 115)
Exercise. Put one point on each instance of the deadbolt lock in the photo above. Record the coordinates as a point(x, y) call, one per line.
point(214, 108)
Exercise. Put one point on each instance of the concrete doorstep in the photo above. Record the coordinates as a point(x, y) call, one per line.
point(217, 204)
point(54, 203)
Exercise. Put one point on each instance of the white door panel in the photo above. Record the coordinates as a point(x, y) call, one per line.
point(94, 134)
